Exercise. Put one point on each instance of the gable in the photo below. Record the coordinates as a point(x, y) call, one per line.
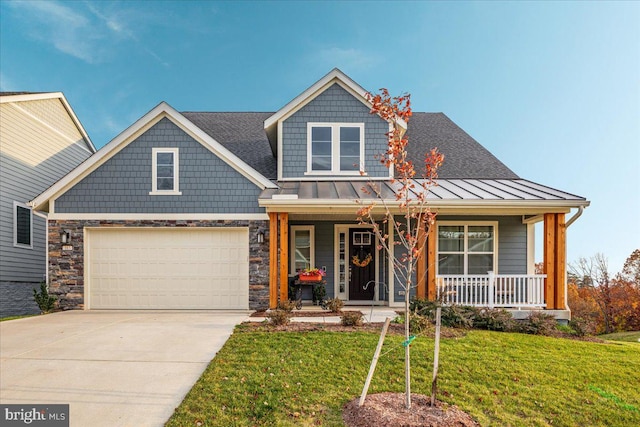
point(161, 111)
point(334, 105)
point(123, 182)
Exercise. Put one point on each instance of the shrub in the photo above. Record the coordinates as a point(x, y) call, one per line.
point(334, 305)
point(351, 318)
point(287, 305)
point(45, 301)
point(418, 323)
point(319, 292)
point(496, 319)
point(458, 316)
point(582, 327)
point(538, 323)
point(279, 317)
point(423, 307)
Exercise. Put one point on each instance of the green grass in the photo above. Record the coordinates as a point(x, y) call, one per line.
point(502, 379)
point(2, 319)
point(622, 336)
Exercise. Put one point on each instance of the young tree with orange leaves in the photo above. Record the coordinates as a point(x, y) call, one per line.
point(408, 216)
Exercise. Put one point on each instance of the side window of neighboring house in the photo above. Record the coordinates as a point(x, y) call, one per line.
point(22, 225)
point(166, 168)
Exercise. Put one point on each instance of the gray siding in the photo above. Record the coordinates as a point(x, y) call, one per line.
point(333, 105)
point(32, 157)
point(17, 299)
point(122, 184)
point(512, 241)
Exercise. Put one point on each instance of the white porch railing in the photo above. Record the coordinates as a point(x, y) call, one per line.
point(492, 290)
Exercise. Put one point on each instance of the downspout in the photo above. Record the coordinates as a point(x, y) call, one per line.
point(575, 217)
point(566, 274)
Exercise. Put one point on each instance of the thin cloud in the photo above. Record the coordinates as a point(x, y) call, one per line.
point(89, 35)
point(67, 30)
point(120, 28)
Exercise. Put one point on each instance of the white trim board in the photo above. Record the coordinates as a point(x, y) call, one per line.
point(159, 216)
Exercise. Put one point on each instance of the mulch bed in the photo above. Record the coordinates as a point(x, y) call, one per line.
point(388, 410)
point(300, 313)
point(394, 328)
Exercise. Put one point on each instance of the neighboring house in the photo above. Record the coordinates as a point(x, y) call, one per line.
point(219, 210)
point(41, 140)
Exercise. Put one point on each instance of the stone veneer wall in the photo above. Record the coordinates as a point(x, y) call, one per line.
point(66, 267)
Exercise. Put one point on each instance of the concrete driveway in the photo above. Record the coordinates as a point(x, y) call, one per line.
point(114, 368)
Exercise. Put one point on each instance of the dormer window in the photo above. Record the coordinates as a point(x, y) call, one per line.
point(335, 148)
point(165, 180)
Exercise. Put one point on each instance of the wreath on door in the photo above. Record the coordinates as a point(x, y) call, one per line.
point(361, 262)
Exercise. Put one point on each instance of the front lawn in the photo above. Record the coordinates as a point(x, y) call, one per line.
point(304, 378)
point(622, 336)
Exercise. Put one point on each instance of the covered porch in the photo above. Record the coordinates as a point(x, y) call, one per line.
point(509, 281)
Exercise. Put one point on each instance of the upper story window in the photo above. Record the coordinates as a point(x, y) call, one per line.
point(335, 148)
point(22, 225)
point(466, 248)
point(165, 173)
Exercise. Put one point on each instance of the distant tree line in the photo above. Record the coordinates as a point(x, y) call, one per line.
point(605, 303)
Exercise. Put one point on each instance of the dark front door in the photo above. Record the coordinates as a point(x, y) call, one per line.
point(362, 264)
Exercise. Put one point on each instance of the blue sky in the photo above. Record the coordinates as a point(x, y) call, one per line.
point(551, 88)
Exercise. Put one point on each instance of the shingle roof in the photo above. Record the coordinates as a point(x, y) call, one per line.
point(241, 133)
point(464, 157)
point(18, 93)
point(244, 135)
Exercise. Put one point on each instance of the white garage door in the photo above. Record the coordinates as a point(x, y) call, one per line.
point(168, 268)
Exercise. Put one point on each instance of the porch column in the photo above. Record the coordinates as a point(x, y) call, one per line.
point(421, 264)
point(561, 260)
point(284, 256)
point(431, 263)
point(273, 259)
point(554, 260)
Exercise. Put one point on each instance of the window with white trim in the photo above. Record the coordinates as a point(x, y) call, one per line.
point(335, 148)
point(302, 245)
point(22, 225)
point(466, 248)
point(165, 171)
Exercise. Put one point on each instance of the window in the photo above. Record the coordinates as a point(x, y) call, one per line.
point(335, 148)
point(22, 225)
point(165, 172)
point(466, 248)
point(302, 245)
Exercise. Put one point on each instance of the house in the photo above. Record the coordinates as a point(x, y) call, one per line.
point(200, 210)
point(41, 140)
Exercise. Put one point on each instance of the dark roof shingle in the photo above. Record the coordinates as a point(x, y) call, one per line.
point(464, 157)
point(243, 134)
